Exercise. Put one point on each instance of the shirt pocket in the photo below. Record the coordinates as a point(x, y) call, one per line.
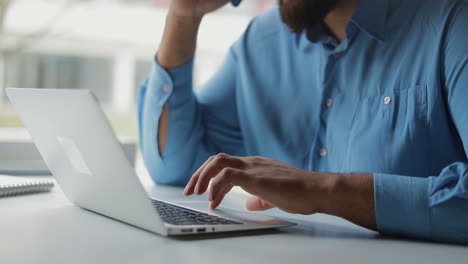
point(389, 132)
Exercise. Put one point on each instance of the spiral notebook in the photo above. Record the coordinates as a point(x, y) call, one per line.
point(12, 185)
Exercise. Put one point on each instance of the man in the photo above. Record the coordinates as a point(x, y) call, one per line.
point(359, 105)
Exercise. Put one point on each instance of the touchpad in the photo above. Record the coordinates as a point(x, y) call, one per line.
point(245, 217)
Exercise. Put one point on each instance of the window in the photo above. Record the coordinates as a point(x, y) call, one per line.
point(106, 46)
point(60, 71)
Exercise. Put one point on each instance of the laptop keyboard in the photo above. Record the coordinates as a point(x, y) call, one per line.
point(176, 215)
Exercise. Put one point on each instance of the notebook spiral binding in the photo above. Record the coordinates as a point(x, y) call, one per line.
point(25, 188)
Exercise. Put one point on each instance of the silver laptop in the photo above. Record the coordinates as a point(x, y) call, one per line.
point(83, 153)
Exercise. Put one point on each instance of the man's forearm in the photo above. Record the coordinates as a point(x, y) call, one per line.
point(352, 198)
point(179, 40)
point(177, 47)
point(276, 184)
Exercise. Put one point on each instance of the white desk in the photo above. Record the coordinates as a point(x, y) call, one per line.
point(46, 228)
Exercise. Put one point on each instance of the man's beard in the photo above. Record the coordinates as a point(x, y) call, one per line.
point(305, 15)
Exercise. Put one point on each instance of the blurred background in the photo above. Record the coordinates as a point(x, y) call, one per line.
point(106, 46)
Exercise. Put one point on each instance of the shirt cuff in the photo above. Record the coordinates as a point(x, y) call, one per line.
point(402, 205)
point(170, 87)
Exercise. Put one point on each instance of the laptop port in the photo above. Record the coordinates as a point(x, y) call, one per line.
point(201, 229)
point(187, 230)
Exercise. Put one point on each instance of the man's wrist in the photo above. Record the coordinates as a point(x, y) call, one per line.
point(330, 187)
point(194, 19)
point(350, 196)
point(188, 23)
point(179, 40)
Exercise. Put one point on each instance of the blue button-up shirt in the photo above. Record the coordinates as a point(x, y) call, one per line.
point(391, 100)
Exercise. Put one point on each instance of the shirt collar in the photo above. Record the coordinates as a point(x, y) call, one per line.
point(371, 17)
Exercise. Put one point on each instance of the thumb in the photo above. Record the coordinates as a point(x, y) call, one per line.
point(257, 204)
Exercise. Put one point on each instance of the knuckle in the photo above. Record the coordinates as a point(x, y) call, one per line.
point(226, 172)
point(221, 156)
point(255, 160)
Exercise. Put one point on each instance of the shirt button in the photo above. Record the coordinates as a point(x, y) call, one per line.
point(167, 89)
point(387, 100)
point(338, 54)
point(323, 152)
point(329, 102)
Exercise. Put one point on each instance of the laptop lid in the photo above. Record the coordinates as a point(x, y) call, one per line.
point(81, 150)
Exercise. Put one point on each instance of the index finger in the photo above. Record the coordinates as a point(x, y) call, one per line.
point(230, 177)
point(189, 188)
point(215, 166)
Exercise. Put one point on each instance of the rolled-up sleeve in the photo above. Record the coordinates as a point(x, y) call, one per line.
point(200, 124)
point(171, 88)
point(422, 207)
